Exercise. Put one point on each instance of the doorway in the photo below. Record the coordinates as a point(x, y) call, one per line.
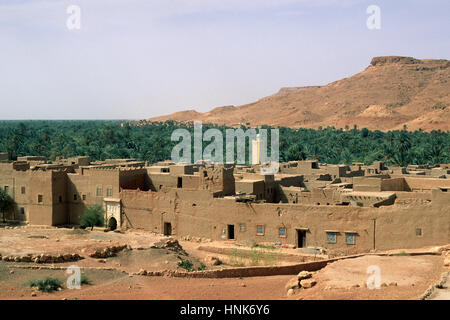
point(301, 238)
point(231, 231)
point(112, 224)
point(167, 228)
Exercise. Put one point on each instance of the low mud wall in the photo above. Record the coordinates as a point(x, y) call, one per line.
point(258, 271)
point(43, 258)
point(284, 256)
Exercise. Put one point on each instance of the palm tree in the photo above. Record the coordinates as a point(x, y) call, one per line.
point(6, 203)
point(402, 145)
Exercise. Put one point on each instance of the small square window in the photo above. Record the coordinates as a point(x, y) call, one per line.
point(331, 237)
point(84, 197)
point(22, 210)
point(109, 192)
point(22, 190)
point(349, 238)
point(282, 232)
point(242, 227)
point(99, 192)
point(6, 189)
point(260, 230)
point(419, 232)
point(40, 198)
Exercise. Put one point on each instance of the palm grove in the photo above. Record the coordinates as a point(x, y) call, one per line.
point(152, 142)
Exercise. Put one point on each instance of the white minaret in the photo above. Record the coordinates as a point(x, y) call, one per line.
point(256, 150)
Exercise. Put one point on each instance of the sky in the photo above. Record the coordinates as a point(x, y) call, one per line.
point(136, 59)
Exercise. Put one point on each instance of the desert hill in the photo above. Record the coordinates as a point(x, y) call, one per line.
point(391, 92)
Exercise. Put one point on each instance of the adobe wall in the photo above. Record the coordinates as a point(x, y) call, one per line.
point(60, 214)
point(421, 184)
point(191, 181)
point(288, 194)
point(157, 180)
point(336, 171)
point(196, 213)
point(218, 179)
point(133, 179)
point(86, 184)
point(290, 181)
point(395, 184)
point(396, 226)
point(441, 197)
point(413, 195)
point(255, 187)
point(15, 180)
point(138, 209)
point(40, 183)
point(367, 184)
point(272, 216)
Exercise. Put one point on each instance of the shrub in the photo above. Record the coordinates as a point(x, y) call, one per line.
point(264, 246)
point(49, 284)
point(84, 279)
point(93, 216)
point(202, 267)
point(186, 264)
point(6, 203)
point(401, 254)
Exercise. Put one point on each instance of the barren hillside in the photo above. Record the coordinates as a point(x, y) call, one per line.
point(391, 92)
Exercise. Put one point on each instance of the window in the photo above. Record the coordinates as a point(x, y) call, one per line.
point(259, 230)
point(242, 227)
point(419, 232)
point(22, 190)
point(22, 210)
point(6, 189)
point(331, 237)
point(109, 192)
point(40, 198)
point(75, 197)
point(99, 191)
point(60, 199)
point(282, 232)
point(84, 197)
point(350, 238)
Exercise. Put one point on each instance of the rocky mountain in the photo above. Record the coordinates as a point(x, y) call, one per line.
point(390, 93)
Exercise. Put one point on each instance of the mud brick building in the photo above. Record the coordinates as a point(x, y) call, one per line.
point(307, 204)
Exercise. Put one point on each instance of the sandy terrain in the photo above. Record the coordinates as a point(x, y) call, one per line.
point(112, 278)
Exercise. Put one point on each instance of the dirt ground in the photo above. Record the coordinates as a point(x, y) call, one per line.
point(111, 284)
point(23, 240)
point(110, 278)
point(401, 277)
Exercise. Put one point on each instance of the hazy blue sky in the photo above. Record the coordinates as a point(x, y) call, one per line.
point(141, 58)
